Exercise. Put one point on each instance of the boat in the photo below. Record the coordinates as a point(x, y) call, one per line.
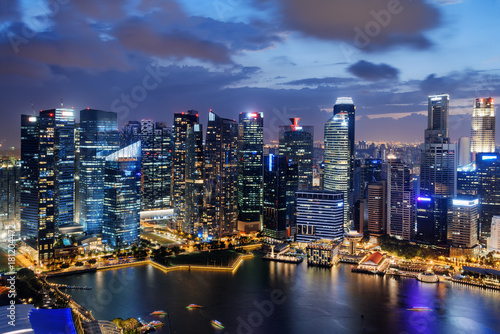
point(193, 306)
point(428, 277)
point(160, 312)
point(420, 309)
point(217, 324)
point(155, 323)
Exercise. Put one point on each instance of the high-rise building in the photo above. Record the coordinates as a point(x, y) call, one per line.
point(401, 209)
point(377, 207)
point(488, 171)
point(250, 170)
point(10, 192)
point(437, 173)
point(221, 175)
point(494, 240)
point(98, 139)
point(467, 180)
point(194, 182)
point(339, 158)
point(464, 150)
point(156, 165)
point(483, 126)
point(47, 177)
point(122, 197)
point(130, 133)
point(319, 215)
point(371, 171)
point(280, 185)
point(297, 143)
point(182, 122)
point(464, 223)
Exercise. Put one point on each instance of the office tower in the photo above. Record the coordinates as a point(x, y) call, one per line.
point(494, 240)
point(47, 177)
point(156, 165)
point(360, 215)
point(319, 215)
point(98, 139)
point(464, 223)
point(221, 175)
point(194, 182)
point(464, 150)
point(467, 180)
point(338, 174)
point(377, 207)
point(250, 170)
point(483, 126)
point(371, 171)
point(182, 122)
point(77, 174)
point(437, 173)
point(401, 210)
point(130, 133)
point(297, 143)
point(488, 171)
point(122, 197)
point(280, 184)
point(10, 192)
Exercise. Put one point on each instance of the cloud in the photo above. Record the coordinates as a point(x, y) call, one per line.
point(383, 24)
point(373, 72)
point(329, 81)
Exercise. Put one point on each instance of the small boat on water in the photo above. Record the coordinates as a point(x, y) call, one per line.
point(193, 306)
point(159, 312)
point(217, 324)
point(428, 277)
point(420, 309)
point(156, 323)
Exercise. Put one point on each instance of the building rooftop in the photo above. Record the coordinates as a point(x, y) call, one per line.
point(373, 259)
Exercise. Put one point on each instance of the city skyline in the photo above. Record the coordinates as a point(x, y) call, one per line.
point(258, 67)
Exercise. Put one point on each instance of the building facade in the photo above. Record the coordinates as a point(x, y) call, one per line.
point(377, 207)
point(464, 223)
point(483, 126)
point(488, 171)
point(401, 201)
point(194, 222)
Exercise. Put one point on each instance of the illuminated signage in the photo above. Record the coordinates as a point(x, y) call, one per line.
point(32, 119)
point(489, 157)
point(424, 199)
point(461, 202)
point(68, 113)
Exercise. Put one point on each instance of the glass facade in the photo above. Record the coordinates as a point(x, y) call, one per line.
point(401, 210)
point(194, 222)
point(488, 170)
point(483, 126)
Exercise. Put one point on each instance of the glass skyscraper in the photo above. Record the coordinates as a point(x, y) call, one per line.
point(10, 170)
point(339, 162)
point(221, 175)
point(250, 172)
point(297, 143)
point(488, 172)
point(122, 197)
point(98, 139)
point(194, 222)
point(483, 126)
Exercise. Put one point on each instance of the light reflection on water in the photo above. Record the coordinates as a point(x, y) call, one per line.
point(311, 300)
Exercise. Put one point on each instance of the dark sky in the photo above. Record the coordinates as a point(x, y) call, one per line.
point(286, 58)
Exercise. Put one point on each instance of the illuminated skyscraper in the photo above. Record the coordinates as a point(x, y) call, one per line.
point(339, 145)
point(10, 170)
point(221, 175)
point(122, 197)
point(488, 171)
point(463, 151)
point(194, 182)
point(130, 133)
point(297, 142)
point(156, 165)
point(377, 207)
point(47, 177)
point(463, 229)
point(250, 170)
point(182, 122)
point(483, 126)
point(98, 138)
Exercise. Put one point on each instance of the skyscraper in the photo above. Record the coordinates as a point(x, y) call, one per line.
point(280, 185)
point(464, 224)
point(339, 154)
point(10, 170)
point(297, 143)
point(156, 165)
point(437, 173)
point(250, 170)
point(130, 133)
point(377, 207)
point(194, 222)
point(47, 177)
point(221, 175)
point(182, 122)
point(464, 150)
point(122, 197)
point(467, 180)
point(483, 126)
point(98, 139)
point(488, 171)
point(320, 215)
point(401, 210)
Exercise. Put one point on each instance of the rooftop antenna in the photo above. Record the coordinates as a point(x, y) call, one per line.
point(61, 103)
point(33, 108)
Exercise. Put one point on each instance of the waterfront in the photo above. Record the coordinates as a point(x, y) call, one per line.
point(306, 300)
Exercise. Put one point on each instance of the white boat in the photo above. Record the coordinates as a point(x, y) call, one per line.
point(428, 277)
